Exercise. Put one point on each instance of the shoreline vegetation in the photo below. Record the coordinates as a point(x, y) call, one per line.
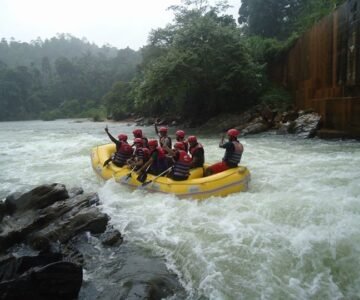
point(258, 119)
point(201, 65)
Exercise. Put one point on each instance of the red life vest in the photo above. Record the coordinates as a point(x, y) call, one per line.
point(194, 149)
point(160, 164)
point(182, 165)
point(146, 154)
point(201, 159)
point(122, 154)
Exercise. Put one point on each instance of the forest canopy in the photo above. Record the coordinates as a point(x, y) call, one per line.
point(203, 63)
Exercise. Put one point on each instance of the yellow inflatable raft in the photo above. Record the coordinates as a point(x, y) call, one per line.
point(198, 187)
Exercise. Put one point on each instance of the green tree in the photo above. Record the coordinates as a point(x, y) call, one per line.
point(197, 67)
point(280, 18)
point(119, 101)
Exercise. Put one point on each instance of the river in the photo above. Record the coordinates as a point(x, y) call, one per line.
point(294, 235)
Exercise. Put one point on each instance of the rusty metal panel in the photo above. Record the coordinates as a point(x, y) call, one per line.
point(323, 68)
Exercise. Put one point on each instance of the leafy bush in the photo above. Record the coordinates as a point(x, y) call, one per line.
point(277, 97)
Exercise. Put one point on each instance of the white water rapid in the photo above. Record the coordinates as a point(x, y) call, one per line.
point(294, 235)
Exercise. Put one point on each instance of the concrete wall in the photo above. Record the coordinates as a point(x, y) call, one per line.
point(323, 69)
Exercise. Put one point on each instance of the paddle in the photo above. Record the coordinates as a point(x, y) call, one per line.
point(150, 181)
point(143, 175)
point(129, 175)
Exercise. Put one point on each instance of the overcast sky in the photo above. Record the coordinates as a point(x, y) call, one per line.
point(120, 23)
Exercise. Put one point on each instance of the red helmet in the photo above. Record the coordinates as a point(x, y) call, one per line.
point(153, 143)
point(180, 133)
point(179, 145)
point(137, 133)
point(138, 141)
point(163, 129)
point(233, 132)
point(122, 137)
point(192, 139)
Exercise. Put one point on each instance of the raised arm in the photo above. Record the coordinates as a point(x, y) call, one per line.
point(156, 129)
point(110, 136)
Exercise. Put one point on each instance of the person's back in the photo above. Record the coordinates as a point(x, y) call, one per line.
point(197, 152)
point(233, 149)
point(157, 161)
point(182, 162)
point(138, 159)
point(123, 150)
point(139, 134)
point(233, 153)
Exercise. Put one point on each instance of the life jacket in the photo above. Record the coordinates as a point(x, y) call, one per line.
point(193, 150)
point(186, 145)
point(233, 158)
point(162, 141)
point(182, 165)
point(146, 154)
point(123, 153)
point(139, 153)
point(160, 164)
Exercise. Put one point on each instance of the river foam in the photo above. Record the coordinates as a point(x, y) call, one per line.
point(294, 235)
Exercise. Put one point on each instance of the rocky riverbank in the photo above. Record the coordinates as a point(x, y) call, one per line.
point(303, 124)
point(51, 237)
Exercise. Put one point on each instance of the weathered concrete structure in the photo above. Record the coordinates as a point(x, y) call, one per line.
point(323, 70)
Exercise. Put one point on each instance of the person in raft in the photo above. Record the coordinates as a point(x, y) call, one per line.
point(182, 162)
point(164, 139)
point(197, 152)
point(157, 160)
point(139, 134)
point(180, 137)
point(141, 155)
point(233, 152)
point(123, 150)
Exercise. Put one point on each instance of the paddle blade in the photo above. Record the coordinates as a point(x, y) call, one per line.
point(142, 177)
point(146, 183)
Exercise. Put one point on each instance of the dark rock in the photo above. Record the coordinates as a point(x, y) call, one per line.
point(256, 126)
point(8, 207)
point(223, 122)
point(285, 128)
point(306, 125)
point(72, 254)
point(289, 116)
point(111, 238)
point(40, 243)
point(75, 222)
point(42, 277)
point(3, 210)
point(75, 191)
point(138, 120)
point(60, 221)
point(40, 197)
point(159, 288)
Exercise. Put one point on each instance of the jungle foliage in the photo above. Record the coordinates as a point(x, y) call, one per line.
point(197, 67)
point(201, 64)
point(63, 77)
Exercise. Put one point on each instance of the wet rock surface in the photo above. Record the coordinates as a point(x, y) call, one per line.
point(259, 119)
point(51, 237)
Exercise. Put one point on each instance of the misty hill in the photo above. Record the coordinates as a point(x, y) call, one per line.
point(16, 53)
point(60, 77)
